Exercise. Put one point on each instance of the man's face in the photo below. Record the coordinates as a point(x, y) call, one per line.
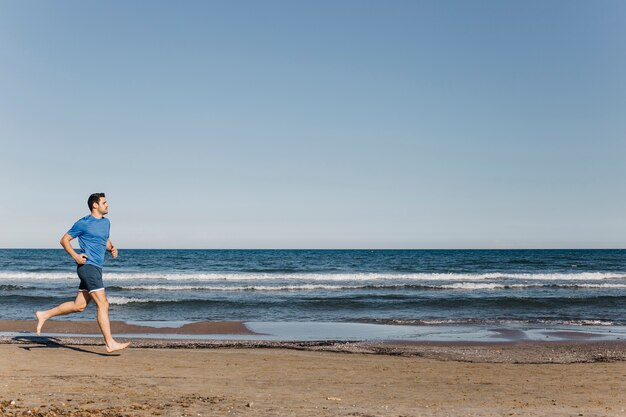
point(102, 207)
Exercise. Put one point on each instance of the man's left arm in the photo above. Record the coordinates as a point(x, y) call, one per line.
point(111, 248)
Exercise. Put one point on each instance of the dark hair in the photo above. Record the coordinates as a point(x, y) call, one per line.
point(94, 199)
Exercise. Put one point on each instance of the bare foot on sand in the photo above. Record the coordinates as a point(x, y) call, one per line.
point(117, 346)
point(40, 321)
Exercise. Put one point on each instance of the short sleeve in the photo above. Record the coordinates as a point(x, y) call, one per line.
point(77, 230)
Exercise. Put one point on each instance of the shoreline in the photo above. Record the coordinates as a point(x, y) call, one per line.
point(471, 352)
point(569, 347)
point(297, 331)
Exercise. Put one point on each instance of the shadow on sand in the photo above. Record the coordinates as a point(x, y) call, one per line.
point(51, 342)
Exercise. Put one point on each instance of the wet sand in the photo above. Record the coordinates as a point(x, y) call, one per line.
point(82, 380)
point(119, 327)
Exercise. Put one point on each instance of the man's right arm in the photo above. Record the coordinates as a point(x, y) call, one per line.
point(78, 258)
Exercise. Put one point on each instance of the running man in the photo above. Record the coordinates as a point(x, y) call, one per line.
point(92, 232)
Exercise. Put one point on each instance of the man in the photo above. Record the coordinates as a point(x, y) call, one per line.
point(92, 232)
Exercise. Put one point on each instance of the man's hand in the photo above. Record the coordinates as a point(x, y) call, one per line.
point(81, 259)
point(113, 252)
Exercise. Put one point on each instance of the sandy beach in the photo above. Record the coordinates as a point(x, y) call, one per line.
point(75, 377)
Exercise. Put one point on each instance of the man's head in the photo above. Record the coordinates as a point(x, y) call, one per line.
point(98, 202)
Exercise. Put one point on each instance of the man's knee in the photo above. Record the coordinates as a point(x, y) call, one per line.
point(100, 298)
point(79, 307)
point(103, 304)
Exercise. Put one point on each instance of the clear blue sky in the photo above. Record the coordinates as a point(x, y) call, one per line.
point(315, 124)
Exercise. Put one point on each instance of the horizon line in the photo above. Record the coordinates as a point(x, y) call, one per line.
point(337, 249)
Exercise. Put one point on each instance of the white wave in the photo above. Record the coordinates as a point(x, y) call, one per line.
point(581, 276)
point(28, 276)
point(615, 286)
point(126, 300)
point(311, 287)
point(493, 286)
point(589, 323)
point(488, 321)
point(241, 288)
point(363, 276)
point(482, 286)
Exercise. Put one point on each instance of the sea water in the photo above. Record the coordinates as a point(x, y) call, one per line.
point(418, 287)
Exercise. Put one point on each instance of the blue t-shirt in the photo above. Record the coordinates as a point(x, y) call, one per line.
point(92, 237)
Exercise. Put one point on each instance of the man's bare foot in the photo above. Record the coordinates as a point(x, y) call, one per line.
point(40, 321)
point(117, 346)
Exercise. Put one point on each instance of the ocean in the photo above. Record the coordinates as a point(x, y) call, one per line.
point(418, 287)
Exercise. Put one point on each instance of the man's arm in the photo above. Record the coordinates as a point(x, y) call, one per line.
point(111, 248)
point(65, 242)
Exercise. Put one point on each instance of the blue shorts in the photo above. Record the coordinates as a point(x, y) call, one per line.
point(90, 278)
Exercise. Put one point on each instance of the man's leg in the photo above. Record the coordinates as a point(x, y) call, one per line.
point(79, 304)
point(100, 298)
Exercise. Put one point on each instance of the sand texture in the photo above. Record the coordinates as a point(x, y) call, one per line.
point(47, 379)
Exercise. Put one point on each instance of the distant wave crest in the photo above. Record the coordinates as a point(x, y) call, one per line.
point(361, 276)
point(467, 286)
point(470, 321)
